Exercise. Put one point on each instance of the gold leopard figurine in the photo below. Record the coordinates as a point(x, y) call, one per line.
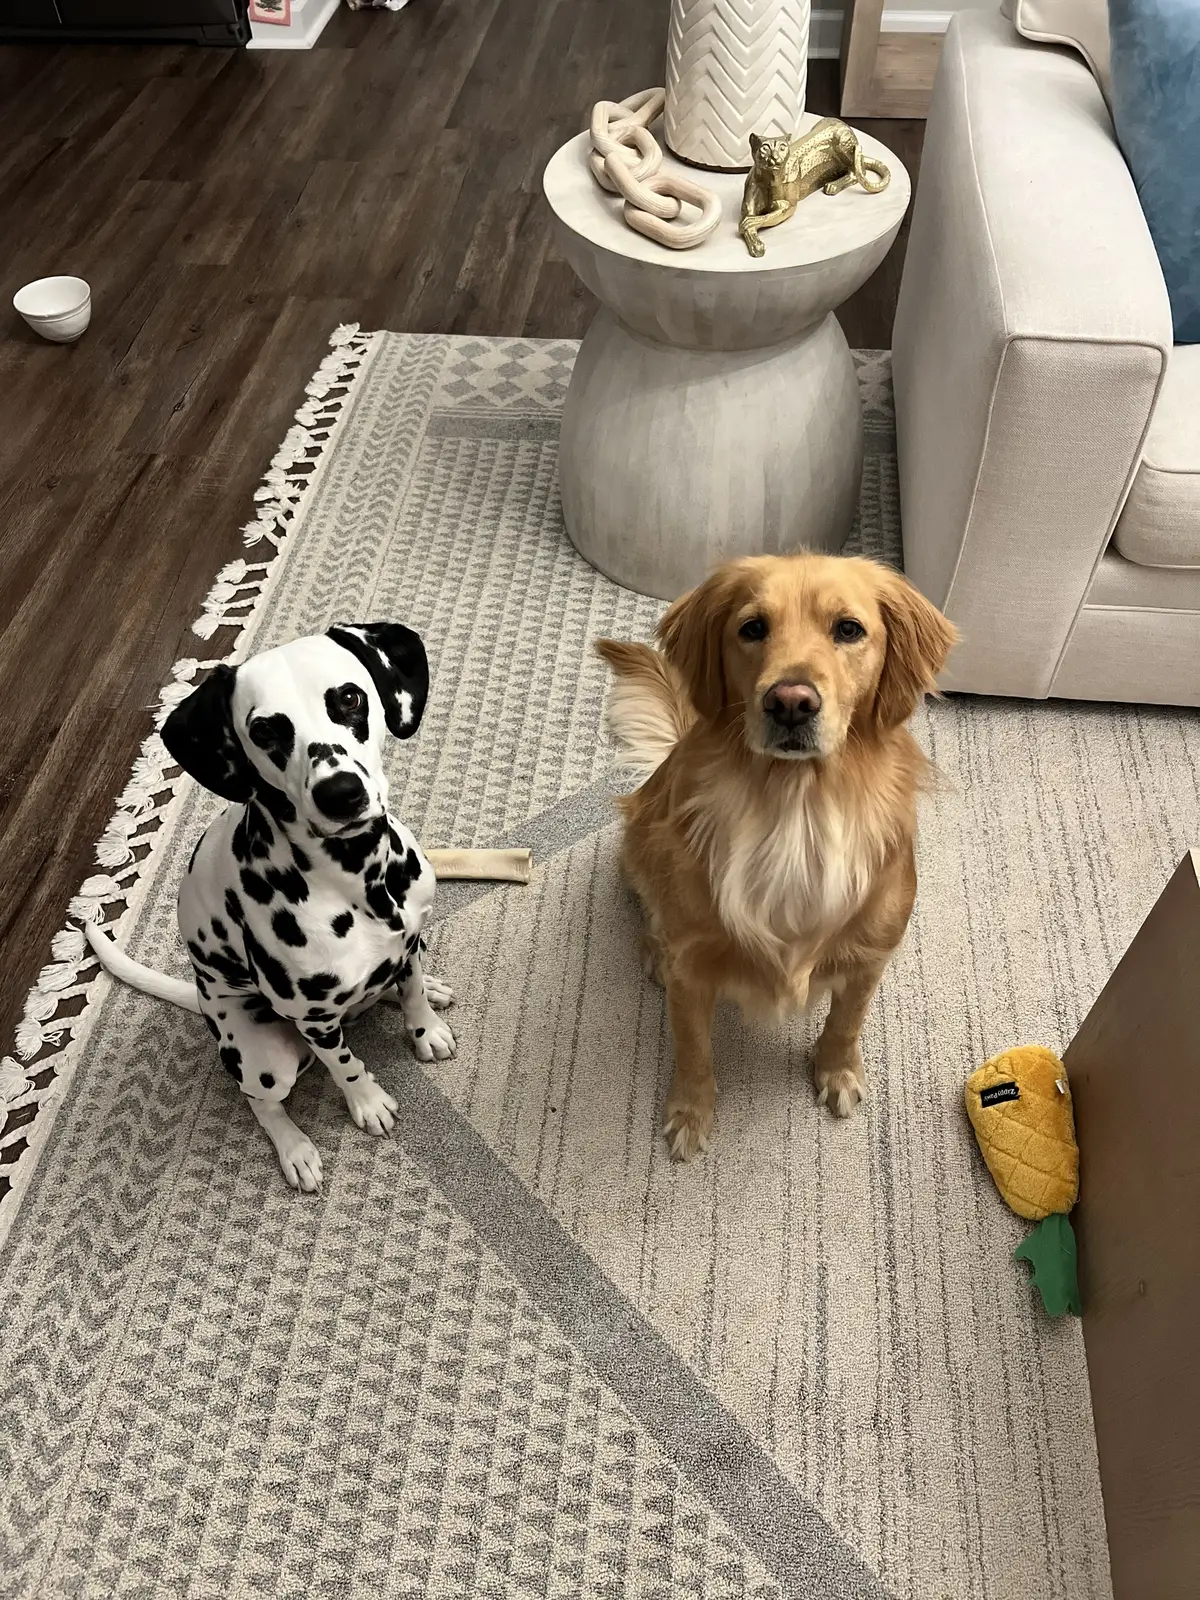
point(786, 171)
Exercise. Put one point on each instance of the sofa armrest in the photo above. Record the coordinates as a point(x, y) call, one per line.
point(1031, 336)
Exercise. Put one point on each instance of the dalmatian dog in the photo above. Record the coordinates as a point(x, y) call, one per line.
point(304, 902)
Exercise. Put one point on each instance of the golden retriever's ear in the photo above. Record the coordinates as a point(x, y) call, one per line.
point(690, 635)
point(918, 641)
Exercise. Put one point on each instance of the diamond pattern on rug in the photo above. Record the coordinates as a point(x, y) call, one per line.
point(431, 1434)
point(507, 373)
point(874, 369)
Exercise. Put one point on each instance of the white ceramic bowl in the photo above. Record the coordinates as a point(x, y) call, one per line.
point(57, 308)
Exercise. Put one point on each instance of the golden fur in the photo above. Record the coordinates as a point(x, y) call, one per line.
point(774, 863)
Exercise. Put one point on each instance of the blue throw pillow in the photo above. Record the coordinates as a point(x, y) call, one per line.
point(1156, 110)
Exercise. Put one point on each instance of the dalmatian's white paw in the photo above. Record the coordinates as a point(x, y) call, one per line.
point(370, 1106)
point(300, 1162)
point(432, 1039)
point(438, 994)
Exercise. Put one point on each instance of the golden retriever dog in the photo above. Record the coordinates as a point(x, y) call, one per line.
point(772, 841)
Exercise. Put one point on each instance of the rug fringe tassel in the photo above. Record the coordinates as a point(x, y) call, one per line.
point(125, 848)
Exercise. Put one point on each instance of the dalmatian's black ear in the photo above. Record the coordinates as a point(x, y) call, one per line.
point(199, 734)
point(396, 660)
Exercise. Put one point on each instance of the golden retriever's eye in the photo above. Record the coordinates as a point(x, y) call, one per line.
point(846, 630)
point(754, 628)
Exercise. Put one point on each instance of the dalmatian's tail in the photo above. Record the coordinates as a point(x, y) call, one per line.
point(649, 711)
point(113, 959)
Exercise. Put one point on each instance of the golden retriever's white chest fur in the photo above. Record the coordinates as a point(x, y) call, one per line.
point(786, 876)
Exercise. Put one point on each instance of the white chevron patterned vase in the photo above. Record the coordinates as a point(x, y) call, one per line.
point(734, 67)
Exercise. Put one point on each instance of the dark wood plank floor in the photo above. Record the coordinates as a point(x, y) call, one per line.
point(229, 209)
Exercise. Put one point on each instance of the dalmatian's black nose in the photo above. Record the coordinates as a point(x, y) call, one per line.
point(340, 797)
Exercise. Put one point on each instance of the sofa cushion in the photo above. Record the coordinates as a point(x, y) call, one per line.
point(1156, 111)
point(1160, 525)
point(1081, 25)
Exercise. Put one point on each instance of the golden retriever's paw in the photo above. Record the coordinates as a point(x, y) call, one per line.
point(652, 960)
point(839, 1088)
point(687, 1127)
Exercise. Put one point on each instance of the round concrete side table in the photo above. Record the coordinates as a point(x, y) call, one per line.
point(713, 410)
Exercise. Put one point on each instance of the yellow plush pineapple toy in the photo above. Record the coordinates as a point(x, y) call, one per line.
point(1019, 1104)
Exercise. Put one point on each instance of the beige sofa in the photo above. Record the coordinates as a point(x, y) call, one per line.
point(1048, 431)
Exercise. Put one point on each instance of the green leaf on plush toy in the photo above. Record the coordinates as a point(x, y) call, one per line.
point(1050, 1251)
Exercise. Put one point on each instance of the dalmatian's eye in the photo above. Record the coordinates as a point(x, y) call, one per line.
point(350, 698)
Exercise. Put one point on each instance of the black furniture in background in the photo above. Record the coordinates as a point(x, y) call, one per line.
point(202, 21)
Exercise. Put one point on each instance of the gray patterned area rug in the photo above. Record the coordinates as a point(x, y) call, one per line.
point(514, 1351)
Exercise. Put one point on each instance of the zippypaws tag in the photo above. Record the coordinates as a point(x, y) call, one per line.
point(997, 1093)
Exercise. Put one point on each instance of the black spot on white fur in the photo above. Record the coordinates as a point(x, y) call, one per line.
point(401, 875)
point(253, 836)
point(225, 964)
point(381, 975)
point(268, 969)
point(381, 904)
point(275, 736)
point(287, 930)
point(277, 803)
point(320, 986)
point(290, 882)
point(352, 851)
point(256, 886)
point(342, 923)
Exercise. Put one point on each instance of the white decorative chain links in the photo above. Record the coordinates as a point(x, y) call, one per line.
point(626, 159)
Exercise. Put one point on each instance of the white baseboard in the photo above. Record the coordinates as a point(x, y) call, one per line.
point(825, 29)
point(915, 21)
point(308, 21)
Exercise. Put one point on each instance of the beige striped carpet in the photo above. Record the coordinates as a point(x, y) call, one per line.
point(514, 1351)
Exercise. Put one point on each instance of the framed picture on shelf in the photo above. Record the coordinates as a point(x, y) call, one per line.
point(273, 11)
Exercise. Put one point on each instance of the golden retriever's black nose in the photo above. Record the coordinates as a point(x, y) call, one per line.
point(791, 704)
point(341, 797)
